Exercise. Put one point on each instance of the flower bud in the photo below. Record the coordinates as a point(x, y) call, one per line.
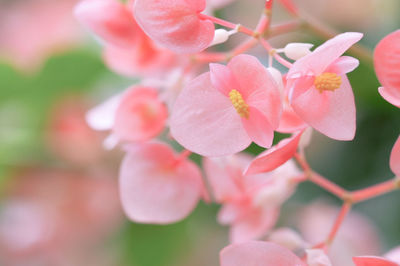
point(220, 36)
point(296, 50)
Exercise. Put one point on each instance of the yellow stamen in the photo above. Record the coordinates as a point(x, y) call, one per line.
point(240, 105)
point(327, 82)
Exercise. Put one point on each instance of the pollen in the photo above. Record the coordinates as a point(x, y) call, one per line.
point(327, 82)
point(240, 105)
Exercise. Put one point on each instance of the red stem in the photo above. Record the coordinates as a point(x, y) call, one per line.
point(328, 185)
point(227, 24)
point(375, 191)
point(272, 52)
point(338, 222)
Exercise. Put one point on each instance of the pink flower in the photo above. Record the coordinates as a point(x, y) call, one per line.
point(140, 115)
point(250, 203)
point(258, 253)
point(387, 67)
point(320, 92)
point(143, 58)
point(175, 24)
point(222, 111)
point(357, 236)
point(274, 157)
point(110, 20)
point(134, 115)
point(395, 158)
point(373, 261)
point(157, 186)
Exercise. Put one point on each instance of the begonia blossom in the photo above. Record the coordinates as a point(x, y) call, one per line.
point(251, 203)
point(387, 67)
point(395, 158)
point(134, 115)
point(176, 24)
point(258, 253)
point(320, 92)
point(373, 261)
point(222, 111)
point(140, 115)
point(158, 186)
point(110, 20)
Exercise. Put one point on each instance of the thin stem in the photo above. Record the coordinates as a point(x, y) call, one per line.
point(227, 24)
point(328, 185)
point(376, 190)
point(338, 222)
point(272, 52)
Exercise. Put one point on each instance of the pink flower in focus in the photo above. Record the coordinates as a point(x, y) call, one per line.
point(222, 111)
point(175, 24)
point(140, 115)
point(320, 92)
point(387, 67)
point(157, 186)
point(395, 158)
point(275, 156)
point(258, 253)
point(250, 203)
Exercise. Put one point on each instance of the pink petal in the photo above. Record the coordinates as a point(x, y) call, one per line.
point(102, 117)
point(140, 115)
point(274, 157)
point(387, 65)
point(331, 113)
point(110, 20)
point(228, 213)
point(204, 121)
point(290, 121)
point(253, 224)
point(257, 87)
point(258, 128)
point(392, 95)
point(395, 158)
point(258, 253)
point(222, 79)
point(157, 187)
point(394, 254)
point(175, 24)
point(143, 58)
point(343, 65)
point(325, 54)
point(373, 261)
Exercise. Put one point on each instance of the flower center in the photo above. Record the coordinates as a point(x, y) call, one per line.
point(327, 82)
point(240, 105)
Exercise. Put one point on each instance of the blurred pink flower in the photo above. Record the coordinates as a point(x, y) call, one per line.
point(387, 67)
point(356, 236)
point(48, 213)
point(220, 112)
point(251, 203)
point(32, 30)
point(175, 24)
point(395, 158)
point(158, 186)
point(69, 136)
point(140, 115)
point(128, 51)
point(258, 253)
point(320, 92)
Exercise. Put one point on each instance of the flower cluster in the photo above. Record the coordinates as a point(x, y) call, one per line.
point(216, 104)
